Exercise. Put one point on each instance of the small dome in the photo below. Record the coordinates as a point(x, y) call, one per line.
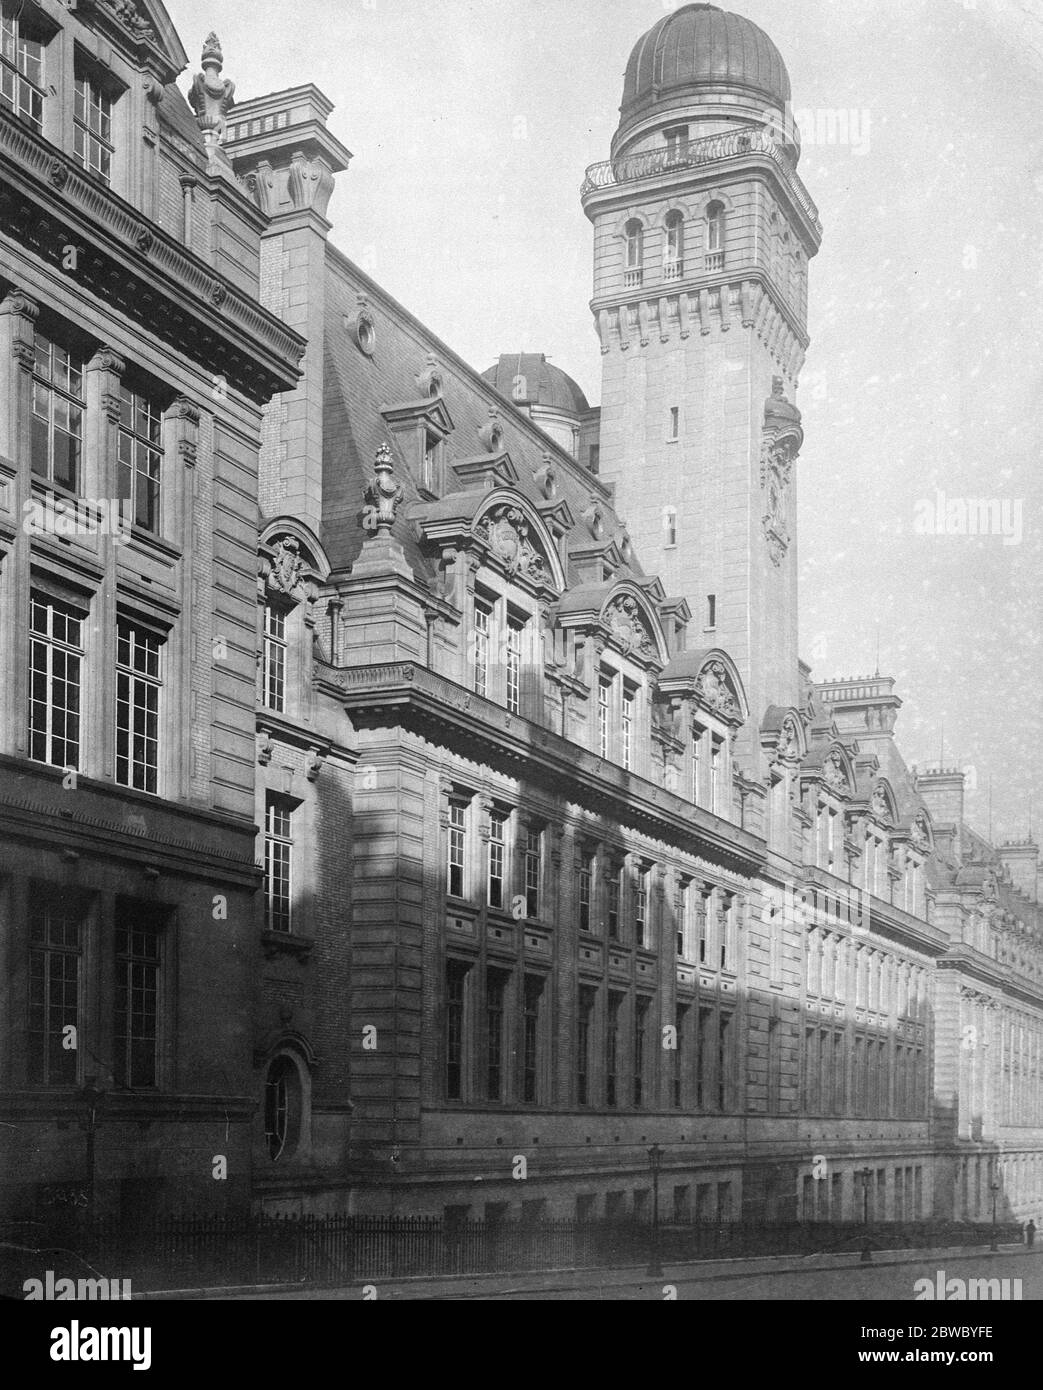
point(527, 378)
point(701, 46)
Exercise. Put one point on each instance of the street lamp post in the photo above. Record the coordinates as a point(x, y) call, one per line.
point(994, 1188)
point(655, 1160)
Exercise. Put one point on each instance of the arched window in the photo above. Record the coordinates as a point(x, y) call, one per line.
point(673, 261)
point(634, 234)
point(715, 236)
point(282, 1108)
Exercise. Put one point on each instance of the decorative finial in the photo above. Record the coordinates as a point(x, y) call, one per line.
point(384, 493)
point(212, 96)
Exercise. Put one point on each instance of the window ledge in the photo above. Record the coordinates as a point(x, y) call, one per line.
point(275, 943)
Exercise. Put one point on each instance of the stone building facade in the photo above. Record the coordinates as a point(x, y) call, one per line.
point(561, 852)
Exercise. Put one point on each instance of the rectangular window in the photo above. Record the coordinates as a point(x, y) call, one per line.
point(495, 987)
point(594, 458)
point(138, 683)
point(629, 702)
point(705, 907)
point(697, 748)
point(140, 456)
point(675, 422)
point(681, 919)
point(137, 993)
point(724, 1058)
point(455, 977)
point(429, 469)
point(55, 673)
point(727, 921)
point(533, 861)
point(586, 877)
point(613, 904)
point(55, 950)
point(92, 128)
point(641, 907)
point(612, 1050)
point(711, 611)
point(497, 858)
point(704, 1062)
point(457, 831)
point(21, 67)
point(716, 768)
point(514, 662)
point(273, 659)
point(531, 1039)
point(482, 615)
point(56, 444)
point(641, 1007)
point(680, 1045)
point(278, 863)
point(604, 693)
point(584, 1021)
point(676, 140)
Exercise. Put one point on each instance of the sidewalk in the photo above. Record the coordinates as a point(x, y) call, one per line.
point(464, 1286)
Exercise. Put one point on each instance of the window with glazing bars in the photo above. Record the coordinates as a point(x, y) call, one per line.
point(56, 440)
point(641, 906)
point(604, 692)
point(641, 1007)
point(612, 1050)
point(273, 659)
point(628, 726)
point(586, 875)
point(278, 863)
point(585, 1018)
point(495, 986)
point(21, 67)
point(55, 951)
point(455, 977)
point(140, 456)
point(482, 615)
point(457, 833)
point(531, 1038)
point(137, 995)
point(497, 858)
point(55, 671)
point(92, 128)
point(514, 663)
point(681, 918)
point(613, 904)
point(138, 683)
point(533, 858)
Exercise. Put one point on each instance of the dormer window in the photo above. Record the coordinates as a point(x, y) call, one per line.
point(676, 141)
point(634, 236)
point(431, 463)
point(21, 66)
point(92, 134)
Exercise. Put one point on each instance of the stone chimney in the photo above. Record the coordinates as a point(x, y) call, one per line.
point(1021, 859)
point(941, 790)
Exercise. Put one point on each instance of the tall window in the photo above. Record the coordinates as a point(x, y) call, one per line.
point(697, 748)
point(55, 948)
point(724, 1069)
point(21, 67)
point(137, 706)
point(137, 994)
point(680, 1028)
point(641, 1008)
point(586, 877)
point(533, 995)
point(634, 237)
point(613, 904)
point(727, 926)
point(676, 140)
point(604, 694)
point(641, 906)
point(455, 977)
point(55, 670)
point(278, 863)
point(533, 859)
point(273, 658)
point(457, 841)
point(673, 263)
point(495, 986)
point(711, 610)
point(612, 1050)
point(92, 132)
point(674, 424)
point(629, 701)
point(514, 658)
point(715, 236)
point(669, 526)
point(280, 1094)
point(681, 918)
point(482, 614)
point(58, 406)
point(716, 768)
point(584, 1021)
point(497, 858)
point(140, 456)
point(429, 469)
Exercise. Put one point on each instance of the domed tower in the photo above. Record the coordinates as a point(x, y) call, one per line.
point(547, 394)
point(702, 236)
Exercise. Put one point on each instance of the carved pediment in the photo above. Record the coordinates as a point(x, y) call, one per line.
point(505, 530)
point(714, 690)
point(627, 628)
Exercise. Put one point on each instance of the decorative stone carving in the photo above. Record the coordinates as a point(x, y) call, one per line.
point(211, 96)
point(622, 617)
point(143, 240)
point(594, 518)
point(287, 566)
point(788, 745)
point(309, 182)
point(429, 381)
point(833, 773)
point(491, 433)
point(880, 807)
point(505, 530)
point(218, 294)
point(384, 493)
point(712, 689)
point(58, 173)
point(545, 477)
point(919, 834)
point(260, 185)
point(361, 328)
point(780, 447)
point(127, 14)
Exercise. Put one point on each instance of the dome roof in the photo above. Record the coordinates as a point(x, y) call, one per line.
point(703, 46)
point(527, 378)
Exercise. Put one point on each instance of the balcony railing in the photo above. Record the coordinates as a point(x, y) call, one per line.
point(692, 154)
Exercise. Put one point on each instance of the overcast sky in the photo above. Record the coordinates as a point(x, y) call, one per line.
point(472, 121)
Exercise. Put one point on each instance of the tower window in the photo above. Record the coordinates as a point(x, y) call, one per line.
point(669, 526)
point(715, 236)
point(675, 423)
point(594, 458)
point(634, 235)
point(673, 261)
point(676, 141)
point(711, 611)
